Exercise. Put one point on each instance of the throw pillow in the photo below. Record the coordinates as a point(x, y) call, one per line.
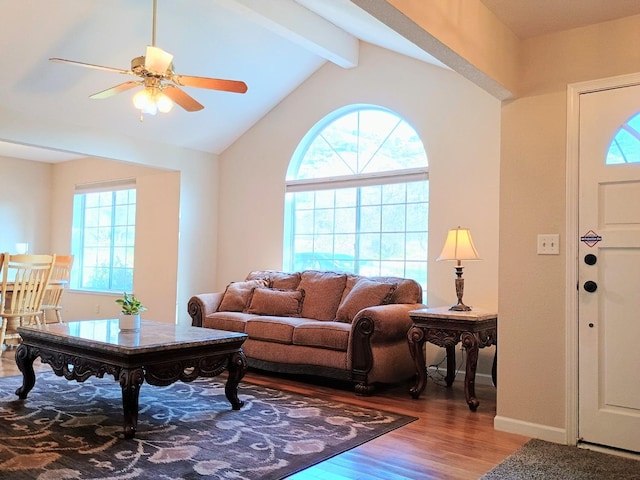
point(280, 303)
point(365, 293)
point(323, 291)
point(236, 295)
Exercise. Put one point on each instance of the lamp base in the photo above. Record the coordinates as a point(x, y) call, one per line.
point(460, 307)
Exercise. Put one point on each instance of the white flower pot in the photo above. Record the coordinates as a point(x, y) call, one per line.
point(129, 323)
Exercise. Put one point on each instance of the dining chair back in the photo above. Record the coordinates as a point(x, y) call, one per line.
point(58, 283)
point(24, 280)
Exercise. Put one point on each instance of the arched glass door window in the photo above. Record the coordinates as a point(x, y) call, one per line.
point(625, 146)
point(357, 196)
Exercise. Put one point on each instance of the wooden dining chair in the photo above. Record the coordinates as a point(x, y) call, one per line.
point(58, 283)
point(24, 280)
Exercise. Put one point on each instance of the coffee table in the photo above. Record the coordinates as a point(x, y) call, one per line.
point(159, 353)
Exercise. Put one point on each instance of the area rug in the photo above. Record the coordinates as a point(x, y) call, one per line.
point(70, 430)
point(544, 460)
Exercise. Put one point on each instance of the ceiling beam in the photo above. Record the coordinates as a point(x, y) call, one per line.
point(301, 26)
point(465, 36)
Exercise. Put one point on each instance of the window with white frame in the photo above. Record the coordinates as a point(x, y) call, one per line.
point(357, 197)
point(103, 237)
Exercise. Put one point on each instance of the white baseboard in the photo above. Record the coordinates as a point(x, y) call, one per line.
point(533, 430)
point(481, 378)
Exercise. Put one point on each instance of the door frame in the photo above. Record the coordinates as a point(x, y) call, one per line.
point(574, 90)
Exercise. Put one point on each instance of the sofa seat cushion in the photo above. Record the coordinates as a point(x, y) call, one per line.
point(275, 302)
point(365, 293)
point(323, 334)
point(236, 295)
point(229, 321)
point(323, 292)
point(273, 329)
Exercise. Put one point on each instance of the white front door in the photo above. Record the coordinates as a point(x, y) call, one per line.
point(609, 269)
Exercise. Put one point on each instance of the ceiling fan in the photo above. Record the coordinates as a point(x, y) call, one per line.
point(161, 84)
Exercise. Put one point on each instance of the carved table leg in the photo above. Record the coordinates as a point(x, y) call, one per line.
point(130, 382)
point(237, 367)
point(451, 364)
point(416, 339)
point(471, 344)
point(25, 356)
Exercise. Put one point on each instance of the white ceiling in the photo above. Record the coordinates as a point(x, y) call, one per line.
point(272, 46)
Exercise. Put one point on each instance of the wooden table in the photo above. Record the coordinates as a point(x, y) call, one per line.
point(159, 353)
point(446, 328)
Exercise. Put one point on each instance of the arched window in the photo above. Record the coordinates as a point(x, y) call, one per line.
point(357, 197)
point(625, 146)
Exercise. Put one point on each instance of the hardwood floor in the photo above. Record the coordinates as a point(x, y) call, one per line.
point(448, 441)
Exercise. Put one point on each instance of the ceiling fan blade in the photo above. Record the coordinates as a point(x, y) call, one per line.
point(109, 92)
point(181, 98)
point(157, 60)
point(234, 86)
point(90, 65)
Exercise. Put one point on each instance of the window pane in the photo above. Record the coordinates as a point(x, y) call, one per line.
point(371, 195)
point(394, 193)
point(625, 146)
point(304, 221)
point(393, 218)
point(370, 219)
point(323, 221)
point(345, 220)
point(325, 199)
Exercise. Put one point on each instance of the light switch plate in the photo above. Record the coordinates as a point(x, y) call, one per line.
point(549, 244)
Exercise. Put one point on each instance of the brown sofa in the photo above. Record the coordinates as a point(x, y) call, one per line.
point(323, 323)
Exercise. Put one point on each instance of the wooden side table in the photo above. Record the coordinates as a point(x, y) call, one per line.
point(446, 328)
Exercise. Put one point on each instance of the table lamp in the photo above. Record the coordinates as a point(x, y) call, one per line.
point(459, 246)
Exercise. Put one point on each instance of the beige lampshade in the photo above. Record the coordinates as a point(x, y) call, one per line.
point(459, 246)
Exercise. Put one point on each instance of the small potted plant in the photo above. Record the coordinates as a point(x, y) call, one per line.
point(130, 312)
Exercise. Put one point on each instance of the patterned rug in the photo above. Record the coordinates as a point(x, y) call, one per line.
point(70, 430)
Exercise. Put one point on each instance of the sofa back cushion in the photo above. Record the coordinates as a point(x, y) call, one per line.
point(323, 292)
point(408, 290)
point(364, 293)
point(276, 279)
point(237, 294)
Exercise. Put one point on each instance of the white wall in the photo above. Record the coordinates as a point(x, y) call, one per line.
point(459, 124)
point(156, 252)
point(25, 197)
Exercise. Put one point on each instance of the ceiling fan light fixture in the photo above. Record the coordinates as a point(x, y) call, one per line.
point(164, 103)
point(151, 100)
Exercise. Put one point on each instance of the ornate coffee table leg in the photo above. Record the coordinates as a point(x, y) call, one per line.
point(471, 344)
point(25, 355)
point(416, 339)
point(130, 382)
point(237, 367)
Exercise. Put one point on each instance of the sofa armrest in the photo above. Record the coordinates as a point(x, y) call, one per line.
point(378, 325)
point(201, 305)
point(389, 323)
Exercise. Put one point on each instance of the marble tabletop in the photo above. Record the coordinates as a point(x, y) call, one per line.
point(446, 313)
point(105, 335)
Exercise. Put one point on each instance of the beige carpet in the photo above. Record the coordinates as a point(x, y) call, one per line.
point(69, 430)
point(549, 461)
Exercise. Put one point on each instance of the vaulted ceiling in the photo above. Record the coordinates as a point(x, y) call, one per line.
point(273, 46)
